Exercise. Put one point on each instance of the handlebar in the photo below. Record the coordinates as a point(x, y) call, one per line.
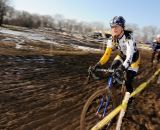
point(92, 74)
point(105, 70)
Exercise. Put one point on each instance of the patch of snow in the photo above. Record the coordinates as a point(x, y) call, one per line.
point(15, 40)
point(28, 35)
point(24, 34)
point(20, 37)
point(19, 46)
point(86, 48)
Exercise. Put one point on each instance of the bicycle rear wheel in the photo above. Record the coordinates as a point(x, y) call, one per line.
point(97, 107)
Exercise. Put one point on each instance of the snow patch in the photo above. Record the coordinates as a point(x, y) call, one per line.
point(20, 37)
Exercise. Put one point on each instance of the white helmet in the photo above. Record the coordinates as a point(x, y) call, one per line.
point(158, 36)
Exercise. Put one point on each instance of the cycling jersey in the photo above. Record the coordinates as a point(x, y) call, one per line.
point(127, 48)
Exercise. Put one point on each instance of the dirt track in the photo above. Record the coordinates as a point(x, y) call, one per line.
point(47, 93)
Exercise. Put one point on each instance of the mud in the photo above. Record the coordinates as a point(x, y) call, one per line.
point(47, 93)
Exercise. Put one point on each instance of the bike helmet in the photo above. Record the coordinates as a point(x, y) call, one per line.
point(118, 20)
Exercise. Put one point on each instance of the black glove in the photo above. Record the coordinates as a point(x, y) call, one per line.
point(119, 72)
point(96, 66)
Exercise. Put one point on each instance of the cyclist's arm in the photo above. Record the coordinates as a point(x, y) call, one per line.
point(106, 56)
point(131, 48)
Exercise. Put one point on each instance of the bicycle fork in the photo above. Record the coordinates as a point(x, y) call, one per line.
point(102, 101)
point(101, 106)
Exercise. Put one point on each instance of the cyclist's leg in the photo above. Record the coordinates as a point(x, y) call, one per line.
point(130, 74)
point(116, 62)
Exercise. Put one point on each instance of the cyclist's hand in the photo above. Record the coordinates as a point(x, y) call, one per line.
point(96, 66)
point(92, 71)
point(119, 72)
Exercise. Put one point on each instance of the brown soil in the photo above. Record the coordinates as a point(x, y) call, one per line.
point(47, 93)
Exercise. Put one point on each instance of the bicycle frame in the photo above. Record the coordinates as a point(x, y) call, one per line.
point(110, 79)
point(109, 84)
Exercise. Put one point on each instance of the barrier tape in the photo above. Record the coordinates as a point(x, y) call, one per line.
point(124, 105)
point(111, 115)
point(144, 84)
point(123, 110)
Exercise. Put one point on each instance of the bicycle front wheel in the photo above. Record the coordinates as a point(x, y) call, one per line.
point(97, 107)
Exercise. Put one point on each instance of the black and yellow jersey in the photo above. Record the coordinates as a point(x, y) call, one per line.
point(126, 45)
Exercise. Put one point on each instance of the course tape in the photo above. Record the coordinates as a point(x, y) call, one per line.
point(145, 84)
point(111, 115)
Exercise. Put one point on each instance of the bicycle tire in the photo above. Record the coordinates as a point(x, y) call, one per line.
point(90, 101)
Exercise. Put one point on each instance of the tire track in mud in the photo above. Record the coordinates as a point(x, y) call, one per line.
point(28, 97)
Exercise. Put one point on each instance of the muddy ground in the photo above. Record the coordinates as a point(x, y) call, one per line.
point(45, 92)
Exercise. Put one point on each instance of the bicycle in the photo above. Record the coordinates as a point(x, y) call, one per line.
point(103, 101)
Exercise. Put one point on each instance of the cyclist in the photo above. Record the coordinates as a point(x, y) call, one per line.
point(156, 49)
point(128, 58)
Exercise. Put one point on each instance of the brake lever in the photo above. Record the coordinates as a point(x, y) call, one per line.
point(90, 74)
